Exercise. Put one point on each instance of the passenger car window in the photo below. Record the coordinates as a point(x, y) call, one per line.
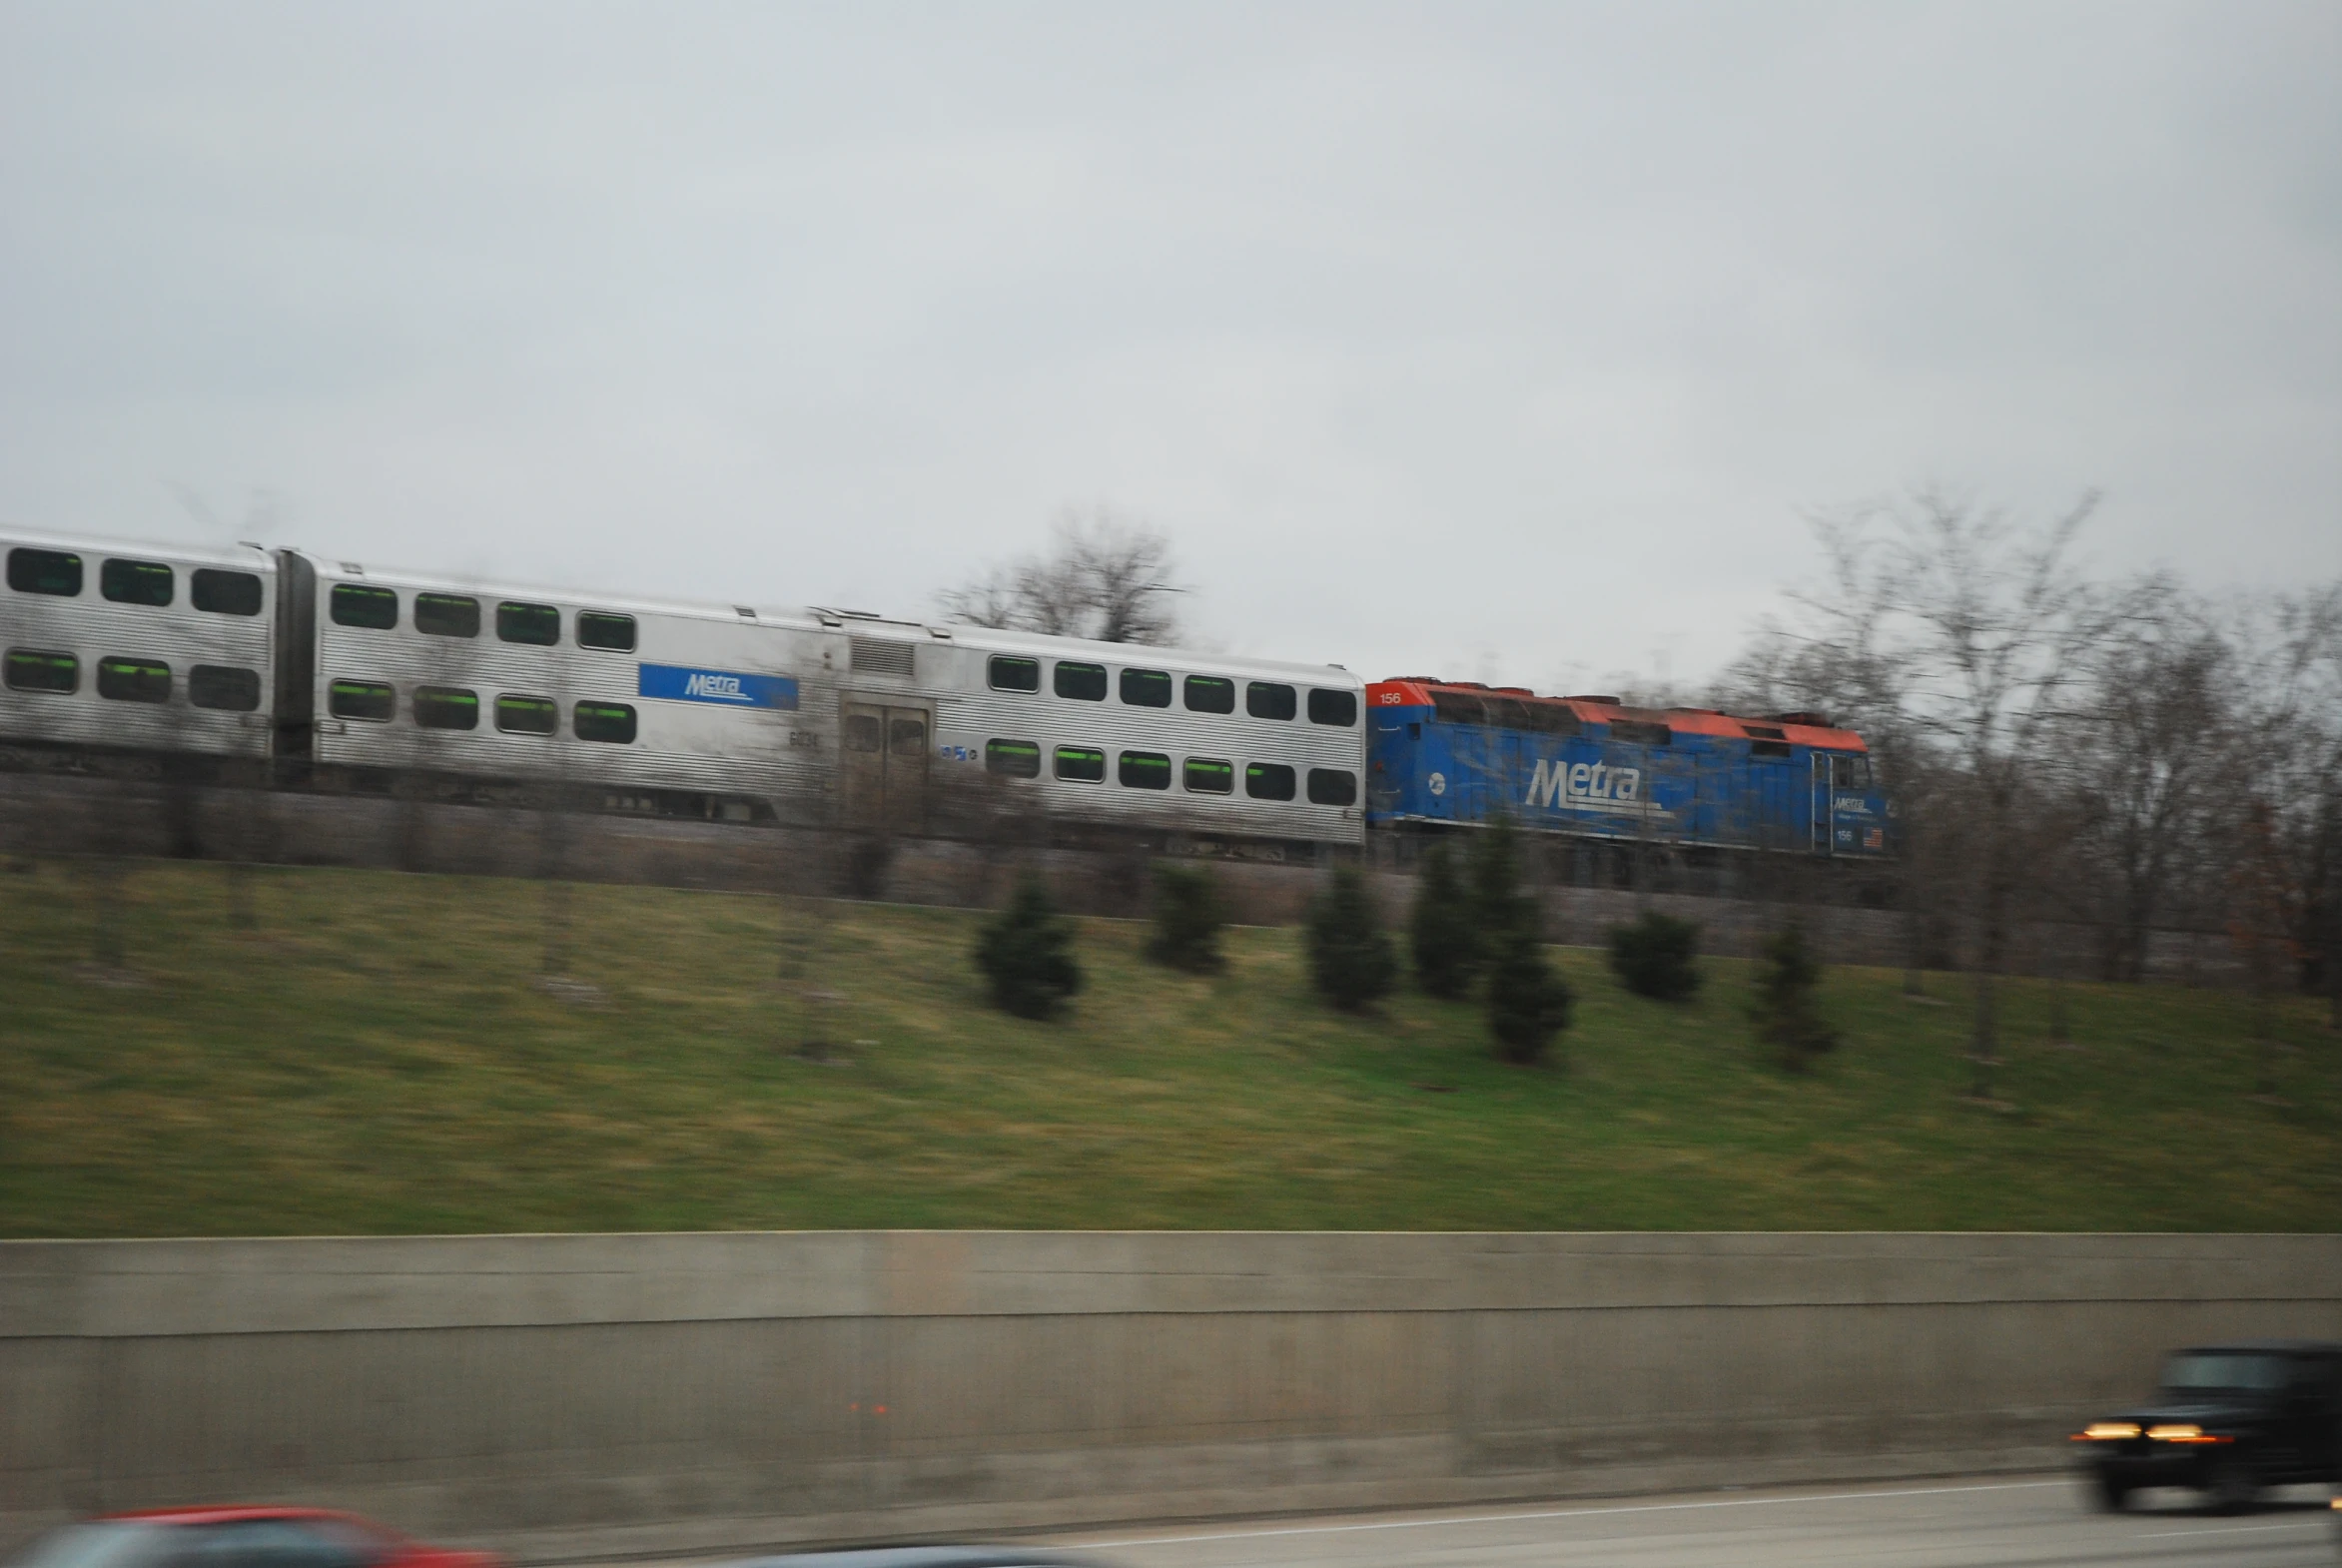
point(223, 686)
point(1147, 689)
point(539, 624)
point(32, 669)
point(1332, 787)
point(1210, 776)
point(518, 715)
point(1014, 759)
point(1339, 708)
point(602, 629)
point(44, 571)
point(138, 583)
point(906, 737)
point(363, 604)
point(1082, 682)
point(225, 592)
point(1143, 770)
point(610, 722)
point(134, 680)
point(1210, 694)
point(361, 699)
point(864, 732)
point(446, 615)
point(1014, 674)
point(1268, 781)
point(446, 707)
point(1081, 765)
point(1267, 700)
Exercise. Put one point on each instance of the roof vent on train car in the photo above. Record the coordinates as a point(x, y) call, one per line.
point(1802, 717)
point(881, 657)
point(1579, 696)
point(939, 633)
point(746, 611)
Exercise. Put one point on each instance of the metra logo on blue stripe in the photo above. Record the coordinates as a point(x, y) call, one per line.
point(731, 688)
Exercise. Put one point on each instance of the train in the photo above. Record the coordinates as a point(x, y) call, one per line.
point(301, 671)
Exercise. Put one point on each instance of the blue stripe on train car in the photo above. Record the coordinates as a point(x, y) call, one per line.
point(1699, 789)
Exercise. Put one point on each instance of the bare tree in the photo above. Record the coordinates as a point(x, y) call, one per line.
point(1102, 577)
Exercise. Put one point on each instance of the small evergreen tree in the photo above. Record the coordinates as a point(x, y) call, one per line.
point(1444, 929)
point(1528, 1001)
point(1497, 880)
point(1656, 956)
point(1788, 978)
point(1350, 957)
point(1187, 919)
point(1025, 954)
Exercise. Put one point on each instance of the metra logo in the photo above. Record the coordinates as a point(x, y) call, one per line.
point(731, 688)
point(1589, 786)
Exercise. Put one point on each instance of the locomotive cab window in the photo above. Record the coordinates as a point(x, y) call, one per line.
point(34, 669)
point(1146, 689)
point(446, 615)
point(1081, 765)
point(1850, 772)
point(220, 592)
point(518, 715)
point(1143, 770)
point(446, 707)
point(1082, 682)
point(44, 571)
point(1265, 700)
point(369, 700)
point(134, 680)
point(1332, 787)
point(363, 604)
point(138, 583)
point(1210, 694)
point(1268, 781)
point(225, 688)
point(1014, 674)
point(1209, 776)
point(1013, 759)
point(609, 722)
point(538, 624)
point(1337, 708)
point(602, 629)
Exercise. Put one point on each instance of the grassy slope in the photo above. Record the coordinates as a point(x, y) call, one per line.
point(376, 1058)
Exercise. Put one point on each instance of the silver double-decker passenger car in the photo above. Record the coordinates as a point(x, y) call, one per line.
point(124, 645)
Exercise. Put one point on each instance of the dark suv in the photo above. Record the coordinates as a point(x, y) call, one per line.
point(2228, 1420)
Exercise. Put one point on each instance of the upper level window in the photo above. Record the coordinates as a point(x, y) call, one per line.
point(539, 624)
point(1265, 700)
point(1082, 682)
point(35, 669)
point(446, 615)
point(446, 707)
point(134, 680)
point(602, 629)
point(1339, 708)
point(1210, 694)
point(44, 571)
point(1147, 689)
point(1015, 675)
point(223, 592)
point(138, 583)
point(223, 686)
point(605, 721)
point(363, 604)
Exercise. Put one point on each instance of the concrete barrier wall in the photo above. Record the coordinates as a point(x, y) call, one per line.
point(593, 1395)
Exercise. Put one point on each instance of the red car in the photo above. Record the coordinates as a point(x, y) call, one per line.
point(238, 1538)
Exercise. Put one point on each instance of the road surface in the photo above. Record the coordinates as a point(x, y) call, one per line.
point(1921, 1524)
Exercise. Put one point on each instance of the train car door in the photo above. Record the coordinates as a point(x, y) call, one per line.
point(884, 760)
point(1825, 834)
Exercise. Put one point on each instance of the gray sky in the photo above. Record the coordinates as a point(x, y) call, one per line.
point(1498, 341)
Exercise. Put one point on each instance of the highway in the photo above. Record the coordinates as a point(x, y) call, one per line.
point(1939, 1524)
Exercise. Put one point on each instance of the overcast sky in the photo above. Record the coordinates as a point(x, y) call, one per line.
point(1502, 341)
